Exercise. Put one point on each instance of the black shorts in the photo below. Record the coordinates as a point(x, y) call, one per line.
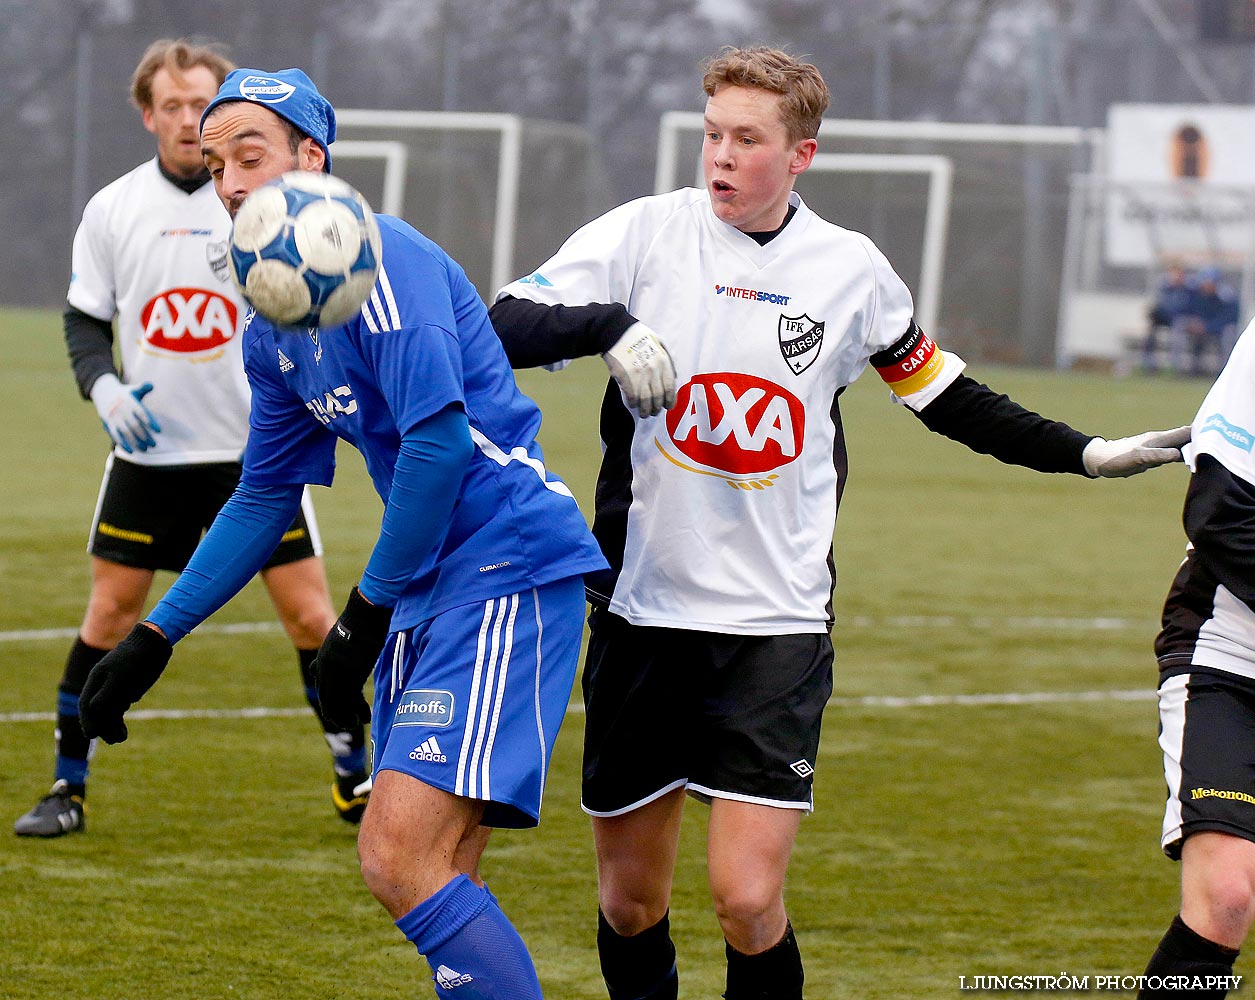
point(1207, 732)
point(153, 516)
point(724, 716)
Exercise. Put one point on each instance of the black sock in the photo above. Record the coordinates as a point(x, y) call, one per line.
point(640, 967)
point(775, 974)
point(348, 747)
point(1184, 952)
point(73, 748)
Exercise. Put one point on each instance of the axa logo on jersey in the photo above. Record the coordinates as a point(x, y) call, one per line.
point(737, 423)
point(188, 320)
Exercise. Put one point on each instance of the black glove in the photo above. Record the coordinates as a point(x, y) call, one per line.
point(119, 680)
point(347, 657)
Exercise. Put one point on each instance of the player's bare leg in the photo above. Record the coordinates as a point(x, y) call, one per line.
point(470, 850)
point(747, 851)
point(636, 861)
point(116, 602)
point(301, 598)
point(1217, 909)
point(1218, 886)
point(414, 845)
point(636, 855)
point(410, 838)
point(748, 848)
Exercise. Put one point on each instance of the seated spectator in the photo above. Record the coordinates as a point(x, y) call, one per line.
point(1168, 313)
point(1211, 322)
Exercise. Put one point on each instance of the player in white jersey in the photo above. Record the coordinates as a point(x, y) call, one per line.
point(1206, 653)
point(152, 252)
point(710, 658)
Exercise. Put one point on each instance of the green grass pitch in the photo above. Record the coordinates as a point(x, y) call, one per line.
point(961, 836)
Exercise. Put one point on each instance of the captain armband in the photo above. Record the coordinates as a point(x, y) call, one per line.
point(911, 365)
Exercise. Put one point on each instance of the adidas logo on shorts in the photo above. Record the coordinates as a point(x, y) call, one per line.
point(429, 750)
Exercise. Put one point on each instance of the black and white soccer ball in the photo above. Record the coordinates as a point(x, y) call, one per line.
point(305, 250)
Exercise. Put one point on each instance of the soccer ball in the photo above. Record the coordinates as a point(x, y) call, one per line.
point(305, 250)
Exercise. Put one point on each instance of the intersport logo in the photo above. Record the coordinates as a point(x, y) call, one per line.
point(188, 320)
point(737, 423)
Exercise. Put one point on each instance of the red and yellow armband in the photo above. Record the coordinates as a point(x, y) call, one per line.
point(910, 365)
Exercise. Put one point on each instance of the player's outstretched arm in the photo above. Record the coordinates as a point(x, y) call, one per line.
point(535, 334)
point(993, 424)
point(1131, 455)
point(241, 539)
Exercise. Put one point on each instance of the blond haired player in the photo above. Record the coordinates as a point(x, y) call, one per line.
point(151, 252)
point(710, 658)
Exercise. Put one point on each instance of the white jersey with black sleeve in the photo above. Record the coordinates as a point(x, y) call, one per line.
point(719, 514)
point(155, 257)
point(1209, 614)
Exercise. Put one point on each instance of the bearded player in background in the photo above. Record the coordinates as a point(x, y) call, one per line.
point(152, 251)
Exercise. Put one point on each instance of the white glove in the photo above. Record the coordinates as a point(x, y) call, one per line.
point(641, 365)
point(129, 422)
point(1131, 455)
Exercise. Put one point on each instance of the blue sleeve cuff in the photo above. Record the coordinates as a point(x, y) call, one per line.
point(243, 536)
point(425, 486)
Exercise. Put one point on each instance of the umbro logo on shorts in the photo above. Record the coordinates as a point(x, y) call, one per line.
point(802, 768)
point(429, 749)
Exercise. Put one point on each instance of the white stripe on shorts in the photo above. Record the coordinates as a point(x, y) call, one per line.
point(398, 658)
point(492, 665)
point(540, 669)
point(100, 500)
point(1173, 694)
point(507, 647)
point(311, 521)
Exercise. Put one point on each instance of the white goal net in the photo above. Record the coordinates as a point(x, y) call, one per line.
point(972, 216)
point(499, 192)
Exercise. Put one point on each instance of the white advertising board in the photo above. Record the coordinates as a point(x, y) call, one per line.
point(1181, 179)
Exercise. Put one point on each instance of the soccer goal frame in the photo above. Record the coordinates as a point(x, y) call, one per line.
point(513, 133)
point(395, 157)
point(509, 128)
point(674, 126)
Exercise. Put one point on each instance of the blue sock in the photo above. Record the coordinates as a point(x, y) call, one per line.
point(73, 748)
point(352, 762)
point(473, 950)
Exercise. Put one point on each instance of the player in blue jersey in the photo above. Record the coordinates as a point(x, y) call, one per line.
point(470, 608)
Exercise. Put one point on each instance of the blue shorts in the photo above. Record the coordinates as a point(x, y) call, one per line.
point(470, 701)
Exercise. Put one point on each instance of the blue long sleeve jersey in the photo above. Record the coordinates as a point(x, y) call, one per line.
point(419, 383)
